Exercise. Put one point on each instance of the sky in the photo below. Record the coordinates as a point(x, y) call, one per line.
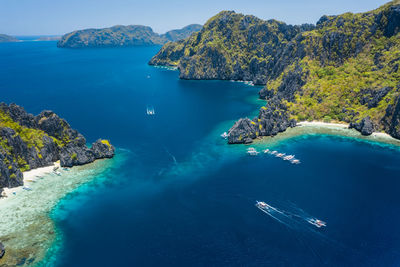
point(56, 17)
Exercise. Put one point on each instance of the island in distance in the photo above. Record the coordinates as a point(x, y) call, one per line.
point(119, 36)
point(4, 38)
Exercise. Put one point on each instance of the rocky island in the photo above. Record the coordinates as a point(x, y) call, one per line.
point(119, 36)
point(28, 142)
point(343, 69)
point(7, 38)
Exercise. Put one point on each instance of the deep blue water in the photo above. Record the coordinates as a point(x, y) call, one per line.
point(184, 198)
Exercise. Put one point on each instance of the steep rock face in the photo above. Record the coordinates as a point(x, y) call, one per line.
point(365, 126)
point(2, 250)
point(118, 36)
point(391, 120)
point(230, 46)
point(102, 149)
point(344, 69)
point(28, 142)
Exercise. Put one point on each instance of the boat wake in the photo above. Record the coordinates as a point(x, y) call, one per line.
point(292, 220)
point(303, 226)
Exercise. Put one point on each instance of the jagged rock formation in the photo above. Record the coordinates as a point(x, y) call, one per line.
point(2, 250)
point(345, 69)
point(28, 142)
point(365, 126)
point(7, 38)
point(230, 46)
point(117, 36)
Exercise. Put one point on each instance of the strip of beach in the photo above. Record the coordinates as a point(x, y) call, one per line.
point(26, 228)
point(31, 176)
point(327, 128)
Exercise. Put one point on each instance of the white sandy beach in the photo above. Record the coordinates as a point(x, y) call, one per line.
point(30, 177)
point(323, 124)
point(26, 228)
point(378, 135)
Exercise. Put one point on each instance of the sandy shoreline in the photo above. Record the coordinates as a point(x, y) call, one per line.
point(30, 177)
point(305, 128)
point(340, 126)
point(26, 229)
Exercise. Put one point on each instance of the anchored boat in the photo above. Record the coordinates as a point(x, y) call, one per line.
point(252, 152)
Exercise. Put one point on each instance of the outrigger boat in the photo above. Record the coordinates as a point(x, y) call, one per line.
point(290, 157)
point(224, 135)
point(316, 222)
point(252, 152)
point(264, 206)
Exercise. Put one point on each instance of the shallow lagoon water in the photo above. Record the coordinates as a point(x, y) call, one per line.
point(181, 196)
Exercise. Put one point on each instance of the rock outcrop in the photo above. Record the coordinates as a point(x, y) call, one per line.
point(365, 126)
point(28, 142)
point(345, 68)
point(119, 36)
point(7, 38)
point(2, 250)
point(230, 46)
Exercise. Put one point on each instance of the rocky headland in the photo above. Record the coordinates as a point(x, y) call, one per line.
point(7, 38)
point(28, 142)
point(121, 36)
point(343, 69)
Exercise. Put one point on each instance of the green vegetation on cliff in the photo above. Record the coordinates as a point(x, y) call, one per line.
point(344, 69)
point(28, 142)
point(230, 46)
point(119, 35)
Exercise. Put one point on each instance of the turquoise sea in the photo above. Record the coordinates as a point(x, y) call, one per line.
point(180, 195)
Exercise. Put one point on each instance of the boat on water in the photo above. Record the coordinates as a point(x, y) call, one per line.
point(274, 152)
point(224, 135)
point(252, 152)
point(266, 151)
point(295, 161)
point(289, 157)
point(264, 206)
point(280, 155)
point(27, 188)
point(150, 111)
point(316, 222)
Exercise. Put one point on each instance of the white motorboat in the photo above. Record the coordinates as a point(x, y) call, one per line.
point(224, 135)
point(316, 222)
point(252, 152)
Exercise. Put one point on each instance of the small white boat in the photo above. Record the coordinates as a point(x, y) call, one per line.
point(274, 152)
point(150, 111)
point(265, 207)
point(224, 135)
point(252, 152)
point(280, 155)
point(316, 222)
point(295, 161)
point(266, 151)
point(290, 157)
